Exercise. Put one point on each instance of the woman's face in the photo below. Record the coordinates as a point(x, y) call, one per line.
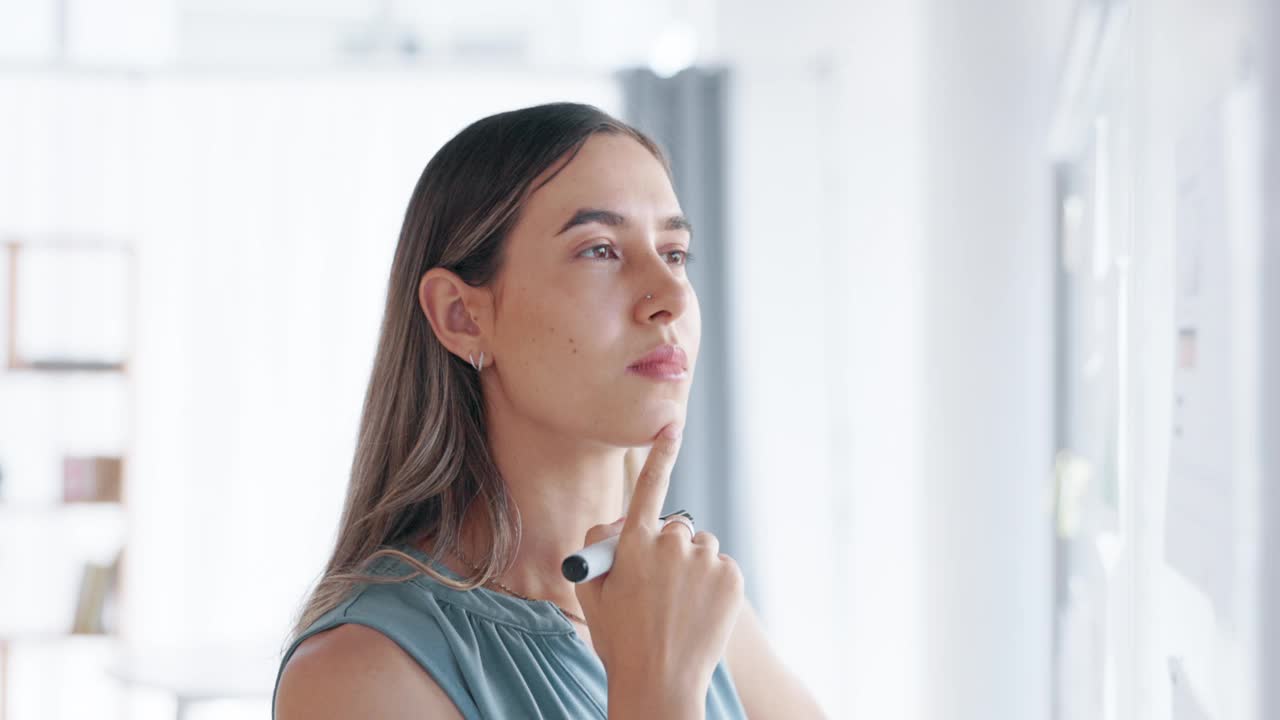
point(571, 314)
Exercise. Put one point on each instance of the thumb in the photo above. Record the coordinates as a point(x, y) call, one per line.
point(601, 532)
point(589, 592)
point(589, 595)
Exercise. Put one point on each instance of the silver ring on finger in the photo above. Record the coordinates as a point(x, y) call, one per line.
point(684, 520)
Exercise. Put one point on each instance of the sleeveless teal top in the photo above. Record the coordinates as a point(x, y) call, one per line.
point(494, 655)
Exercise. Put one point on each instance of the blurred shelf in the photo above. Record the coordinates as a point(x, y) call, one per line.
point(67, 367)
point(50, 637)
point(24, 507)
point(59, 378)
point(61, 389)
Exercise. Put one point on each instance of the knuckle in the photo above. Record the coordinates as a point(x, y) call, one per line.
point(671, 540)
point(731, 573)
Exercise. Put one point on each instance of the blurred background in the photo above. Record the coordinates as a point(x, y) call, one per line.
point(991, 364)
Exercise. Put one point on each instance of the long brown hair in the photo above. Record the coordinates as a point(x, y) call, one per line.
point(422, 456)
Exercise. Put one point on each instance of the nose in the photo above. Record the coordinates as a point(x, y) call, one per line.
point(671, 297)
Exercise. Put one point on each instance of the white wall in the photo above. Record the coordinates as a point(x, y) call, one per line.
point(824, 206)
point(894, 165)
point(988, 264)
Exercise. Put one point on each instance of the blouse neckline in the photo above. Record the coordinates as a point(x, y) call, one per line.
point(541, 616)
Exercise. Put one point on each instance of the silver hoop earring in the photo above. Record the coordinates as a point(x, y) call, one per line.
point(477, 365)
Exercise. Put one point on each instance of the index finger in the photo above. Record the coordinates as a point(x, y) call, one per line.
point(654, 479)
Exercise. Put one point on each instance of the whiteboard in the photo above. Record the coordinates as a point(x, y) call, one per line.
point(1163, 602)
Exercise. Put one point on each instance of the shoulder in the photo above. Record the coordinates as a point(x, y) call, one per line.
point(355, 671)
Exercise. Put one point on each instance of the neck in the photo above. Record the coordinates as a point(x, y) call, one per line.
point(562, 487)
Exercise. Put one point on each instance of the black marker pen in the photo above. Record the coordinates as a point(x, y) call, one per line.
point(595, 560)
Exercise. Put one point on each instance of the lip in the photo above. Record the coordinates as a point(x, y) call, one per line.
point(665, 362)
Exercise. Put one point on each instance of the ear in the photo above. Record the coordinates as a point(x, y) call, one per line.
point(458, 312)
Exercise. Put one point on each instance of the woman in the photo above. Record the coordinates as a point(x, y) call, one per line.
point(539, 323)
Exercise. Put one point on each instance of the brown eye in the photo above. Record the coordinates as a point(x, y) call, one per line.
point(686, 257)
point(595, 256)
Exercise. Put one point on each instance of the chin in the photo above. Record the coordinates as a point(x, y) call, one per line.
point(638, 435)
point(651, 430)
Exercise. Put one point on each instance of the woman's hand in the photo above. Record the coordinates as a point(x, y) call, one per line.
point(660, 618)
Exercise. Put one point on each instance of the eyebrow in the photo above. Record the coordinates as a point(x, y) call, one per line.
point(586, 216)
